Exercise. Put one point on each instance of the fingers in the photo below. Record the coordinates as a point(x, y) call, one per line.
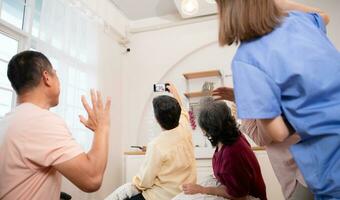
point(216, 93)
point(83, 120)
point(219, 89)
point(108, 104)
point(186, 188)
point(217, 98)
point(86, 105)
point(94, 100)
point(170, 87)
point(99, 100)
point(86, 123)
point(223, 89)
point(186, 185)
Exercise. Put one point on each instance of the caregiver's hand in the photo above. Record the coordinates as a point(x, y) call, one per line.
point(192, 189)
point(224, 93)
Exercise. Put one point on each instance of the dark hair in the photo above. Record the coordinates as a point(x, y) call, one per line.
point(243, 20)
point(217, 122)
point(167, 111)
point(25, 70)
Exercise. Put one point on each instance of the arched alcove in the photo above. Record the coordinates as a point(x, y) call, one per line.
point(206, 57)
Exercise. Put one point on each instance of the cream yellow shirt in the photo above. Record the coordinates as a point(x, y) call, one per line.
point(169, 163)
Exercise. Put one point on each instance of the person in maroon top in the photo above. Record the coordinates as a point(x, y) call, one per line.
point(234, 163)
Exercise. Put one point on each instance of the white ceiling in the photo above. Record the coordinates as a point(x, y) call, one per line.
point(141, 9)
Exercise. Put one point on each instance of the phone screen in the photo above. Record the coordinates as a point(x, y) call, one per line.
point(160, 87)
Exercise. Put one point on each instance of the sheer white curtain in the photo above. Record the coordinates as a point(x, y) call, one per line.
point(68, 37)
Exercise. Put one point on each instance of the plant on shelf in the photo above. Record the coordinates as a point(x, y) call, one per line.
point(207, 88)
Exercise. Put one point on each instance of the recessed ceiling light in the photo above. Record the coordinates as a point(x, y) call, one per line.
point(190, 7)
point(211, 1)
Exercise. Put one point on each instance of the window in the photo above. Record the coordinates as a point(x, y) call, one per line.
point(36, 17)
point(69, 42)
point(76, 86)
point(9, 47)
point(13, 11)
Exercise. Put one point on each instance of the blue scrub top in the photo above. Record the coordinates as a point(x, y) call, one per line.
point(295, 71)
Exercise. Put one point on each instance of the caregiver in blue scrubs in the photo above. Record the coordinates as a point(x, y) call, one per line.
point(286, 66)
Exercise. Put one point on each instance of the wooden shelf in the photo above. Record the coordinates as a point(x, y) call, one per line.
point(134, 153)
point(202, 74)
point(196, 94)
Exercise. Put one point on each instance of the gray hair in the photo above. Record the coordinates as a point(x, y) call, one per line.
point(217, 122)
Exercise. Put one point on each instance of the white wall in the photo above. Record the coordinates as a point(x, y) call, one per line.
point(110, 82)
point(108, 14)
point(332, 7)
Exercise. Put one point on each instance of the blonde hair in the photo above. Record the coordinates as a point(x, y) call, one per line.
point(242, 20)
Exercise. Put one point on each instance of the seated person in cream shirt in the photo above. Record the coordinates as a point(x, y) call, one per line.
point(169, 160)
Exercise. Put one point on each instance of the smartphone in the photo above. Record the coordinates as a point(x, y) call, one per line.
point(161, 87)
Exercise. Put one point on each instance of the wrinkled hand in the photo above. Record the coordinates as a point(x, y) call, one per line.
point(192, 188)
point(98, 115)
point(224, 93)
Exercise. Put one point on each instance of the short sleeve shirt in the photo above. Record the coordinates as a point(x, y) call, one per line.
point(33, 141)
point(295, 71)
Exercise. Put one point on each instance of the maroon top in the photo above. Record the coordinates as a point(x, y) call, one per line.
point(236, 167)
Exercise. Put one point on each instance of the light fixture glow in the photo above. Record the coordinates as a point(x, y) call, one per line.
point(190, 7)
point(211, 1)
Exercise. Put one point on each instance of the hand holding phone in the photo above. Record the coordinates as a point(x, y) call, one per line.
point(161, 87)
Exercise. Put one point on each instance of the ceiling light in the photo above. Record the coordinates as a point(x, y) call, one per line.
point(211, 1)
point(190, 7)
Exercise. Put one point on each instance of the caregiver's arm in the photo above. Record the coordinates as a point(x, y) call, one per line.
point(288, 5)
point(257, 130)
point(251, 128)
point(275, 128)
point(248, 127)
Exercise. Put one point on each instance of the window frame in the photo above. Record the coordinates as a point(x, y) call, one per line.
point(27, 40)
point(27, 11)
point(19, 35)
